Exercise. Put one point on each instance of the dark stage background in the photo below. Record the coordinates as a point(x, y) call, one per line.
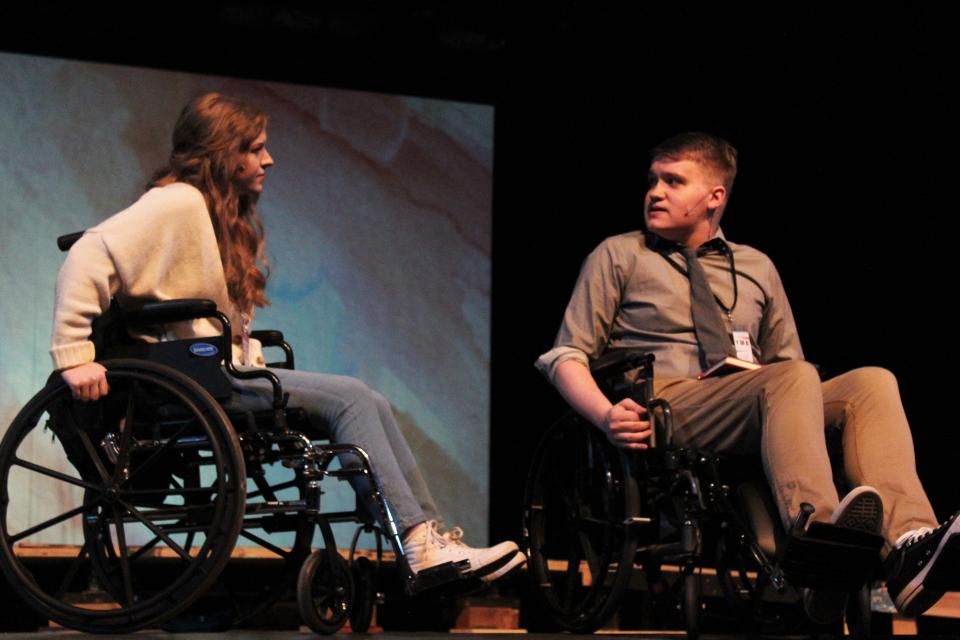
point(846, 133)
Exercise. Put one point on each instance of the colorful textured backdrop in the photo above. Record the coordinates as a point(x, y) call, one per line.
point(378, 224)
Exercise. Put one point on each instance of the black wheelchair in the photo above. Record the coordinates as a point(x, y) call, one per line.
point(595, 516)
point(146, 492)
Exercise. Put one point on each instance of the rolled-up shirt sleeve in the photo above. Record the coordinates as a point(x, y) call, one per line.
point(585, 330)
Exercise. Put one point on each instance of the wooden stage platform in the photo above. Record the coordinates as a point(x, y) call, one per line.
point(501, 610)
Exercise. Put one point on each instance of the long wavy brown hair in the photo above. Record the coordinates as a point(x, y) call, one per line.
point(211, 134)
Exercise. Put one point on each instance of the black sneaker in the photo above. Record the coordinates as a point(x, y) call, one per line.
point(923, 566)
point(861, 509)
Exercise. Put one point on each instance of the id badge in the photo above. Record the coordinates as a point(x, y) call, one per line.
point(743, 345)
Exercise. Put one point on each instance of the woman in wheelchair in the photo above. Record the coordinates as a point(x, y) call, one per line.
point(196, 233)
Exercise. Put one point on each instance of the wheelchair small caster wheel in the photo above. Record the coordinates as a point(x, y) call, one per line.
point(325, 591)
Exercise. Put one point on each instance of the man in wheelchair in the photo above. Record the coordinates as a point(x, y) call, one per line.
point(711, 311)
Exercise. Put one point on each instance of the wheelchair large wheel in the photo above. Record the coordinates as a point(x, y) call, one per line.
point(141, 493)
point(858, 612)
point(580, 497)
point(690, 602)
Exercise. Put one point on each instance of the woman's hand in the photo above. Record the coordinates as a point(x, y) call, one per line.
point(626, 425)
point(87, 381)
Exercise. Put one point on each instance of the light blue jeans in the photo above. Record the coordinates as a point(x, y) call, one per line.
point(356, 415)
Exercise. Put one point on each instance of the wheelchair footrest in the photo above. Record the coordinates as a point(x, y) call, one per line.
point(440, 575)
point(828, 556)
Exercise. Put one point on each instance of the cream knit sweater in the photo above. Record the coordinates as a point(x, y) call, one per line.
point(162, 247)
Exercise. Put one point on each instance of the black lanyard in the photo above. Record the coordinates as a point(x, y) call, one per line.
point(724, 249)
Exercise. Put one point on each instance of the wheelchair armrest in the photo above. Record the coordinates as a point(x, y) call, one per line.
point(274, 338)
point(170, 311)
point(609, 368)
point(620, 361)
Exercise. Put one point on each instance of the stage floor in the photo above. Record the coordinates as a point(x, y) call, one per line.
point(254, 634)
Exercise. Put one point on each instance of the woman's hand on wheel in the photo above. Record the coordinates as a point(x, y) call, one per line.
point(87, 381)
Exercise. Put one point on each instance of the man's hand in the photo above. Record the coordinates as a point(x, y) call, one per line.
point(87, 381)
point(626, 425)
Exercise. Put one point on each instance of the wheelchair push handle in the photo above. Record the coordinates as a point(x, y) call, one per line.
point(66, 241)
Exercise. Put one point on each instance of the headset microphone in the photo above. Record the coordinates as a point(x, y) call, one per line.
point(690, 209)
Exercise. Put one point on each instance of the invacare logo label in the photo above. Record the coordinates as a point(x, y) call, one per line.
point(203, 349)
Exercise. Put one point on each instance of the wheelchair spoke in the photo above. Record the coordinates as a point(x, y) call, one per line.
point(590, 556)
point(55, 474)
point(188, 546)
point(124, 559)
point(94, 456)
point(46, 524)
point(83, 554)
point(572, 577)
point(136, 555)
point(158, 531)
point(121, 469)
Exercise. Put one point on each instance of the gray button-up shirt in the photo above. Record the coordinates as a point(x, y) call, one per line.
point(628, 295)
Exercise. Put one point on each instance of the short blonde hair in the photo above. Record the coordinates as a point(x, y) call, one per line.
point(715, 154)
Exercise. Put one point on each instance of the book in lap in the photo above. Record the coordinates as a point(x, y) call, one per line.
point(728, 365)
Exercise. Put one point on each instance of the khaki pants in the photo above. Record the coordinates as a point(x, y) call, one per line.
point(782, 411)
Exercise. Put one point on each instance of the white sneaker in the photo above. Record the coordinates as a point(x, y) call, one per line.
point(503, 551)
point(427, 548)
